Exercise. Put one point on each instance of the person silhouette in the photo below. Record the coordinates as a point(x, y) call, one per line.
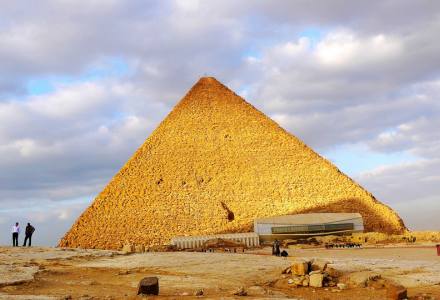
point(28, 234)
point(15, 232)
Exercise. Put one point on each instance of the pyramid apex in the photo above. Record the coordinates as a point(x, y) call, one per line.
point(208, 80)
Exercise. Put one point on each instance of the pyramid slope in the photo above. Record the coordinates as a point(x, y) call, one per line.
point(212, 166)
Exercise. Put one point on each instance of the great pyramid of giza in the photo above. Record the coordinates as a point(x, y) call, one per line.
point(212, 166)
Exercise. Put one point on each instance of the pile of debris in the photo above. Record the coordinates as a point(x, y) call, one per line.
point(313, 273)
point(319, 273)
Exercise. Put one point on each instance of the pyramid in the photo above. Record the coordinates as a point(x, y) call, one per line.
point(213, 165)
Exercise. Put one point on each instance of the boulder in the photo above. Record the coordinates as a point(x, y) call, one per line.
point(315, 280)
point(359, 279)
point(318, 265)
point(300, 268)
point(396, 292)
point(331, 271)
point(148, 286)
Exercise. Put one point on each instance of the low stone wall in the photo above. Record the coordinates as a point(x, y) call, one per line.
point(249, 239)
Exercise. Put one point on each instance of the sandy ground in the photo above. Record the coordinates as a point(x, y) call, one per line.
point(51, 273)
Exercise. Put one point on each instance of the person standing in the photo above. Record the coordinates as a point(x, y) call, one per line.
point(28, 234)
point(277, 248)
point(15, 232)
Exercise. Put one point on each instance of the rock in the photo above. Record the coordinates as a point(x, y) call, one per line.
point(199, 292)
point(139, 248)
point(315, 280)
point(256, 291)
point(239, 292)
point(318, 265)
point(300, 268)
point(377, 284)
point(396, 292)
point(331, 271)
point(148, 286)
point(184, 294)
point(287, 270)
point(290, 281)
point(315, 272)
point(359, 279)
point(341, 286)
point(306, 281)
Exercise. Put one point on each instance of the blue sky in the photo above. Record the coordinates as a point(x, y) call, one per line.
point(83, 84)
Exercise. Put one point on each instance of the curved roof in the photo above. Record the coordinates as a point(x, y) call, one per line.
point(312, 218)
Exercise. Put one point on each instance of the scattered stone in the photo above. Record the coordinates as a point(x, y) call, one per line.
point(199, 292)
point(396, 292)
point(315, 280)
point(360, 279)
point(331, 271)
point(318, 265)
point(341, 286)
point(300, 268)
point(239, 292)
point(306, 281)
point(148, 286)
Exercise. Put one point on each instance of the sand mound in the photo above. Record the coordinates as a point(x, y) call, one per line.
point(212, 166)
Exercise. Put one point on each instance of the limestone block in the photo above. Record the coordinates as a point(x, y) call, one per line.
point(299, 268)
point(316, 280)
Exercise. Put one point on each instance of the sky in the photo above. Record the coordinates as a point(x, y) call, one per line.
point(83, 84)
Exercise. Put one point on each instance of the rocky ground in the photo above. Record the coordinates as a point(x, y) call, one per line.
point(54, 273)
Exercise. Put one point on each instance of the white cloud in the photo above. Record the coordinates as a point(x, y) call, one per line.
point(370, 77)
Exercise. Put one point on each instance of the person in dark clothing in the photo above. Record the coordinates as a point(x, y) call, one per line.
point(28, 234)
point(277, 248)
point(15, 232)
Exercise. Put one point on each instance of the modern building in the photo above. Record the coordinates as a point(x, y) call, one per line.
point(307, 225)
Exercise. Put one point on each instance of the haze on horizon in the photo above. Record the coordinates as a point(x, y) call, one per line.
point(82, 85)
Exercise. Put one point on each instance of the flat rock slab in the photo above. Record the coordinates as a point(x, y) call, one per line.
point(12, 275)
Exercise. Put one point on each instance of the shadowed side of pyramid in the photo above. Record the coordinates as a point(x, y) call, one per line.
point(212, 166)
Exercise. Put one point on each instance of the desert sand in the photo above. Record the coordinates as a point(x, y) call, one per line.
point(56, 273)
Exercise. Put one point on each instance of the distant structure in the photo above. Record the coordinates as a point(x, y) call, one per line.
point(307, 225)
point(212, 166)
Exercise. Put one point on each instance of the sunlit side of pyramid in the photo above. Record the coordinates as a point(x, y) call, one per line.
point(212, 166)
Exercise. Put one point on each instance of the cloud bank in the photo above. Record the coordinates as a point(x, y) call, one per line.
point(83, 84)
